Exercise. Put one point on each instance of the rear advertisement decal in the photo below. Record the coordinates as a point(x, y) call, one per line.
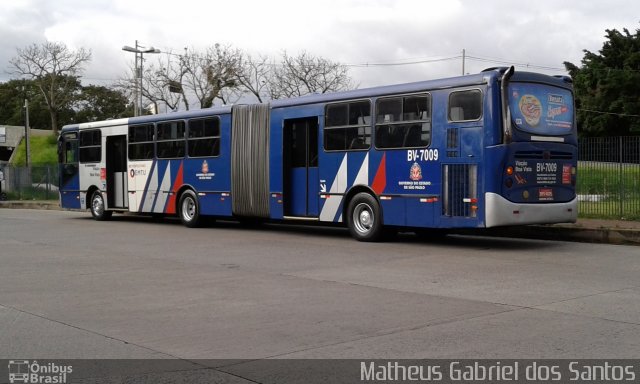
point(541, 109)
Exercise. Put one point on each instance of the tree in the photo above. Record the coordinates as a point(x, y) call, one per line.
point(200, 76)
point(227, 74)
point(255, 76)
point(157, 86)
point(221, 66)
point(304, 74)
point(606, 86)
point(96, 103)
point(12, 100)
point(55, 70)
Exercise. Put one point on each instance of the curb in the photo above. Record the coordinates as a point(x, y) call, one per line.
point(562, 232)
point(557, 232)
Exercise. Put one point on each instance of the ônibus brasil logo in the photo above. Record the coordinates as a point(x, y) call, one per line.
point(24, 371)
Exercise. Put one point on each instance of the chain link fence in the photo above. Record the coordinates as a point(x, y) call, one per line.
point(39, 182)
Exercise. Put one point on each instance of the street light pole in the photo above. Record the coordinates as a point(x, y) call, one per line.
point(138, 87)
point(27, 133)
point(138, 93)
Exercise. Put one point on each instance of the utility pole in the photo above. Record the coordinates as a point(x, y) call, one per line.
point(27, 133)
point(463, 59)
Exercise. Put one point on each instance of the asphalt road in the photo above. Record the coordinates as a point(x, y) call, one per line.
point(71, 287)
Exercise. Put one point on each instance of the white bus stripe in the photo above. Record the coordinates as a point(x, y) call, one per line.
point(339, 185)
point(363, 174)
point(163, 192)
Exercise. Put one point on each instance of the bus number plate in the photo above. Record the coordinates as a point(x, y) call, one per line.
point(422, 155)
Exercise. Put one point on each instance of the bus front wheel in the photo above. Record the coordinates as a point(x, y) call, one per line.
point(365, 218)
point(189, 209)
point(98, 210)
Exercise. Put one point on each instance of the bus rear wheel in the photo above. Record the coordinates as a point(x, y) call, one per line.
point(189, 210)
point(98, 209)
point(365, 218)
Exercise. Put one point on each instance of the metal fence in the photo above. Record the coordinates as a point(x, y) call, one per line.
point(608, 182)
point(39, 182)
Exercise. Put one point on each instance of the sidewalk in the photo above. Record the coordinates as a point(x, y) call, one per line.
point(585, 230)
point(31, 204)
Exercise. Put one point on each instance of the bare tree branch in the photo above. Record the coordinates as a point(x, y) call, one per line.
point(55, 69)
point(255, 76)
point(222, 65)
point(303, 74)
point(227, 74)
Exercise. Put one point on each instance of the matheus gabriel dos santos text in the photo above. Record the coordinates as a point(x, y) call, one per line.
point(494, 371)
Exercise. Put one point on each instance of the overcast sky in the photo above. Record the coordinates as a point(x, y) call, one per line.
point(433, 33)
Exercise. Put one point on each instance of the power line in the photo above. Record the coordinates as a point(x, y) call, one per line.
point(607, 113)
point(401, 62)
point(516, 64)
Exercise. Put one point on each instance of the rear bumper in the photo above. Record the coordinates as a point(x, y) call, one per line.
point(500, 212)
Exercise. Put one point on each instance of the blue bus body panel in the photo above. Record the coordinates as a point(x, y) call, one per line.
point(299, 191)
point(70, 198)
point(211, 177)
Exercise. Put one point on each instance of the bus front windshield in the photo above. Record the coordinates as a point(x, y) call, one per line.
point(541, 109)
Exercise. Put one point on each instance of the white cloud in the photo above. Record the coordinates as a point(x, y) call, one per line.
point(543, 32)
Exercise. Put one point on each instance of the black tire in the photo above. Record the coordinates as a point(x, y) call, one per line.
point(189, 210)
point(365, 218)
point(97, 207)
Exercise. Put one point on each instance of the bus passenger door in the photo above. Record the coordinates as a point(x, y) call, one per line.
point(117, 189)
point(300, 160)
point(68, 170)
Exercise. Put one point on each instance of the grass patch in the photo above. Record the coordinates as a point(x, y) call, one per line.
point(32, 193)
point(617, 189)
point(610, 209)
point(44, 150)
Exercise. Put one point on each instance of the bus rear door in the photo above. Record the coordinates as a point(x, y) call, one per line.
point(300, 159)
point(116, 169)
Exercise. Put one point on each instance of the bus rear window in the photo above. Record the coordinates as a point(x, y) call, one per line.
point(541, 109)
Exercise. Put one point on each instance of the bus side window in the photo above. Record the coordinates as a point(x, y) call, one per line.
point(348, 126)
point(90, 146)
point(403, 121)
point(465, 105)
point(141, 142)
point(203, 138)
point(170, 139)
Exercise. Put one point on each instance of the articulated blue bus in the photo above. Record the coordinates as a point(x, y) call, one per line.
point(497, 148)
